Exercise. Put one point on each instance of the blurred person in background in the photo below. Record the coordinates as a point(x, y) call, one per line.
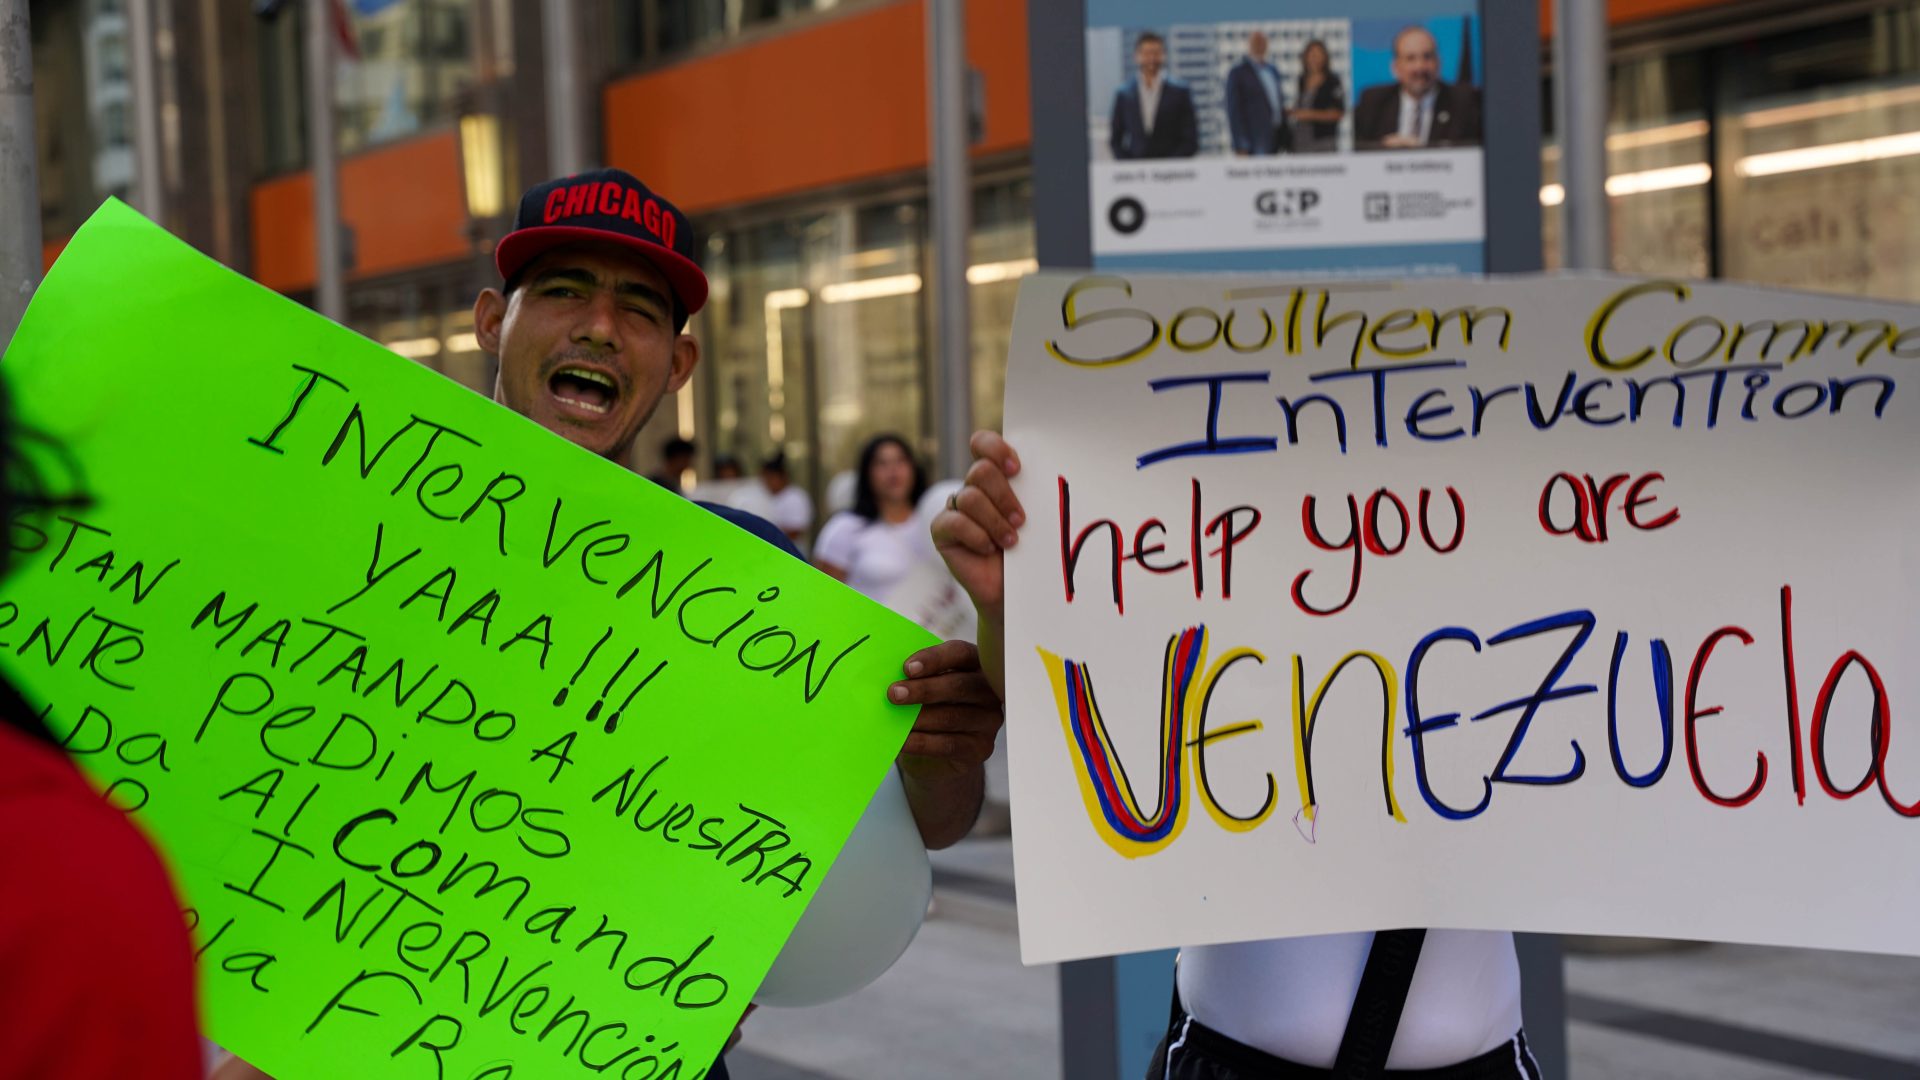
point(789, 507)
point(676, 457)
point(882, 540)
point(839, 496)
point(730, 487)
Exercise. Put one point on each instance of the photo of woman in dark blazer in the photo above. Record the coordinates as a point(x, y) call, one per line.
point(1319, 102)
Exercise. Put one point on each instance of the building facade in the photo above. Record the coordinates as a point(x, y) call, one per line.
point(1774, 142)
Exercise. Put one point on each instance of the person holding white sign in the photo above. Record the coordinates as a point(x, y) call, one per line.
point(1439, 1005)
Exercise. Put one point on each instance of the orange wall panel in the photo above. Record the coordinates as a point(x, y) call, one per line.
point(844, 99)
point(403, 202)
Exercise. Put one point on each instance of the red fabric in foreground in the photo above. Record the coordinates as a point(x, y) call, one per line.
point(96, 970)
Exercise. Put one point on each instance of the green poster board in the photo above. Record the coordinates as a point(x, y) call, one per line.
point(473, 755)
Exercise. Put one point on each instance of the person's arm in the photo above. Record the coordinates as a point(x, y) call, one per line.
point(973, 536)
point(1116, 125)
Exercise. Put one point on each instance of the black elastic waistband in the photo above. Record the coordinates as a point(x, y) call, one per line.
point(1495, 1064)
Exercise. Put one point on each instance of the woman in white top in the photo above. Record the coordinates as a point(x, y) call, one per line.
point(881, 542)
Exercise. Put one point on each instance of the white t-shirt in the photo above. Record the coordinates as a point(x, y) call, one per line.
point(747, 495)
point(1290, 997)
point(875, 555)
point(791, 509)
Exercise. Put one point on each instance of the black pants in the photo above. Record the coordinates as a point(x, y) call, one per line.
point(1194, 1051)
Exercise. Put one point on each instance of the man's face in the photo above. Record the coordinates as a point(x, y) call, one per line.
point(587, 344)
point(1257, 45)
point(1150, 57)
point(1416, 62)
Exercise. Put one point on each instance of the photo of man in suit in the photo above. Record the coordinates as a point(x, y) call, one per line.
point(1152, 114)
point(1417, 109)
point(1256, 109)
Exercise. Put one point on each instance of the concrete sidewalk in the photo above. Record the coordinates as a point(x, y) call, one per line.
point(959, 1004)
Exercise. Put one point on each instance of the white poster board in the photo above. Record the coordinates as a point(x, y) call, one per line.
point(1566, 604)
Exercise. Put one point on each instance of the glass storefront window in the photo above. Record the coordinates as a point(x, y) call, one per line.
point(427, 318)
point(1796, 162)
point(416, 59)
point(1002, 254)
point(816, 336)
point(757, 339)
point(814, 342)
point(872, 374)
point(81, 100)
point(1819, 151)
point(645, 30)
point(283, 78)
point(413, 71)
point(1657, 170)
point(1657, 166)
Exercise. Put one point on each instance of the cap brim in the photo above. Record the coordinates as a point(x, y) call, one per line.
point(522, 246)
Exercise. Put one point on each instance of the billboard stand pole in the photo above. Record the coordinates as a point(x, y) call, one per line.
point(330, 297)
point(1580, 96)
point(952, 206)
point(19, 173)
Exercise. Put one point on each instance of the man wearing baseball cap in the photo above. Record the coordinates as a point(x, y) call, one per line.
point(589, 326)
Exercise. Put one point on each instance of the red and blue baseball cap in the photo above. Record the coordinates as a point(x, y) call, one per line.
point(605, 206)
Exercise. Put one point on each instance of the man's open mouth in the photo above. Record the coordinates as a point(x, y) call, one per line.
point(583, 388)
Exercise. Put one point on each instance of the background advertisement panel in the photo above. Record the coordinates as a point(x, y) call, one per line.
point(1342, 138)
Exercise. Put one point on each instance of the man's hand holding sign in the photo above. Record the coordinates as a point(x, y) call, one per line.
point(473, 755)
